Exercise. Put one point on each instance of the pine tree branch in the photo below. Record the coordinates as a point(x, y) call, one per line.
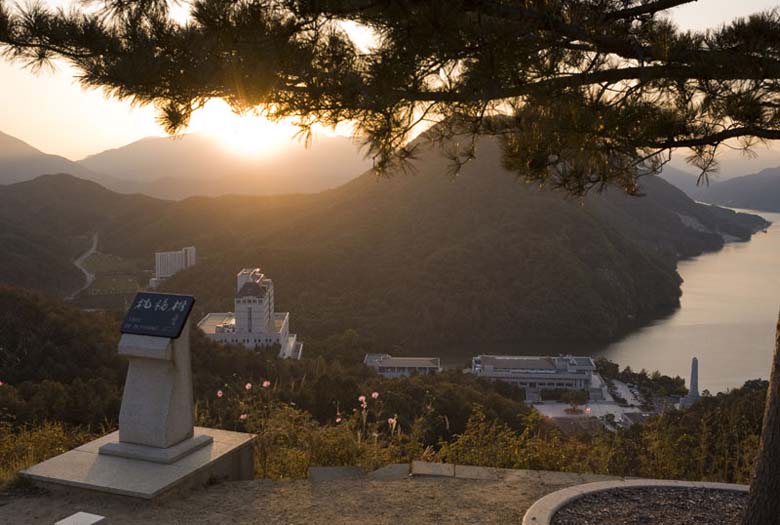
point(646, 9)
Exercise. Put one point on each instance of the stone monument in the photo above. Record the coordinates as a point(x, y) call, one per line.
point(157, 447)
point(693, 386)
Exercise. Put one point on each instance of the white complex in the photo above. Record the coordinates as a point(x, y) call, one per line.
point(167, 264)
point(254, 323)
point(537, 373)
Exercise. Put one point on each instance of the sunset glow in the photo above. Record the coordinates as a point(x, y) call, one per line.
point(249, 134)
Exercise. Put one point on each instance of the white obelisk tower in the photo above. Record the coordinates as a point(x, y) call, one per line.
point(693, 386)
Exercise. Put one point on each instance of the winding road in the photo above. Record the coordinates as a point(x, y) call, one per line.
point(79, 263)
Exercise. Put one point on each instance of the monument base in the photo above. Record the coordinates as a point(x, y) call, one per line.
point(222, 456)
point(156, 454)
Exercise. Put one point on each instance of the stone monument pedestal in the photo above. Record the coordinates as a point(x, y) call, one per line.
point(157, 449)
point(156, 419)
point(227, 457)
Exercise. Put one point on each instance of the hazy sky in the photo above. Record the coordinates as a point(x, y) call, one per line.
point(53, 113)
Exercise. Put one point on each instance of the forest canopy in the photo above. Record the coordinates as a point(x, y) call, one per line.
point(584, 93)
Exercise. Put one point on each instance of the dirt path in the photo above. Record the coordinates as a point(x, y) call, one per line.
point(418, 500)
point(89, 277)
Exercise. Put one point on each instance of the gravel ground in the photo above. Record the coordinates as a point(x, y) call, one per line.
point(656, 506)
point(418, 500)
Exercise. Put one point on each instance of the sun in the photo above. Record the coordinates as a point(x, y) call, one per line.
point(246, 135)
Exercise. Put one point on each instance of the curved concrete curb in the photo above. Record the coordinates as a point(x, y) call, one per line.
point(542, 512)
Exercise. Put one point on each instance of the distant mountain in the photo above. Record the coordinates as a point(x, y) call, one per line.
point(19, 162)
point(757, 192)
point(760, 191)
point(176, 168)
point(734, 162)
point(685, 181)
point(192, 165)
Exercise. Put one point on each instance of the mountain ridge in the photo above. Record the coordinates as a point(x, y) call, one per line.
point(19, 161)
point(192, 165)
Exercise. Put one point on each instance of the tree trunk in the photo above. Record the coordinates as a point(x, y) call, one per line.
point(764, 502)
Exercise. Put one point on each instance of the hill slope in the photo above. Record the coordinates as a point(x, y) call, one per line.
point(427, 260)
point(198, 165)
point(46, 222)
point(19, 162)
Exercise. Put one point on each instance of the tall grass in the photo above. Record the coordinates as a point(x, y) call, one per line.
point(23, 447)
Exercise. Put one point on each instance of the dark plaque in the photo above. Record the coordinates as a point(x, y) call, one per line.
point(158, 314)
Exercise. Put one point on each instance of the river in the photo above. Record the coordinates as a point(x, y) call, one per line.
point(727, 317)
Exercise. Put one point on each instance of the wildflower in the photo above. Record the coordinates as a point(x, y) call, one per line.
point(248, 386)
point(220, 393)
point(242, 417)
point(362, 399)
point(375, 395)
point(266, 383)
point(338, 420)
point(1, 383)
point(391, 421)
point(364, 405)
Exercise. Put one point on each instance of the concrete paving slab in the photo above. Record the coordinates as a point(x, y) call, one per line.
point(391, 472)
point(317, 474)
point(229, 456)
point(479, 473)
point(424, 468)
point(83, 518)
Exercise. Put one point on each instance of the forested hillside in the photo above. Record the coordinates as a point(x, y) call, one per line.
point(421, 260)
point(430, 260)
point(47, 222)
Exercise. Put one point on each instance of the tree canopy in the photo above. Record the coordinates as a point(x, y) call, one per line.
point(583, 92)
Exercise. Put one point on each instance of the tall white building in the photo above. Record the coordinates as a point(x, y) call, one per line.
point(167, 264)
point(253, 323)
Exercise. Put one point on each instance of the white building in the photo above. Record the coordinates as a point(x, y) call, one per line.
point(167, 264)
point(389, 366)
point(538, 373)
point(254, 323)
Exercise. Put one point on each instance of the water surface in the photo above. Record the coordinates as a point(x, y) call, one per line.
point(727, 317)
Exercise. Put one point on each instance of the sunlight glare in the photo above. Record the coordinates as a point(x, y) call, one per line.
point(248, 135)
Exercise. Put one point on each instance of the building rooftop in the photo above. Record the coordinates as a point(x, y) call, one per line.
point(534, 362)
point(252, 289)
point(512, 361)
point(385, 361)
point(279, 319)
point(372, 359)
point(210, 322)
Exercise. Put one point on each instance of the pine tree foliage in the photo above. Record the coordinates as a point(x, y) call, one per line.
point(584, 93)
